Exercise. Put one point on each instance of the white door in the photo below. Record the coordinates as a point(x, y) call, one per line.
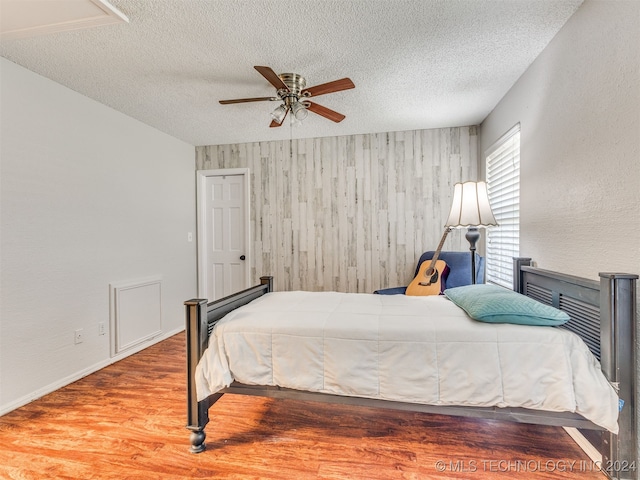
point(223, 232)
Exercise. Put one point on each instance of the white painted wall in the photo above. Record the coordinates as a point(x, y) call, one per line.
point(579, 109)
point(89, 196)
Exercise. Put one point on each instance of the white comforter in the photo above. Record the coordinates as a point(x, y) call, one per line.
point(411, 349)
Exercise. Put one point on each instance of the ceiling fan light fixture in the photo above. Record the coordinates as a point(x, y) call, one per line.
point(292, 90)
point(279, 113)
point(299, 111)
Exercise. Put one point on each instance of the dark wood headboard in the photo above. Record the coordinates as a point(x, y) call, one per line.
point(603, 314)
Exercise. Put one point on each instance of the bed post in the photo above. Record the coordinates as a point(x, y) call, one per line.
point(518, 263)
point(197, 336)
point(268, 281)
point(197, 325)
point(618, 344)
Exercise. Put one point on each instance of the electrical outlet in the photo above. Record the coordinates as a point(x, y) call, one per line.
point(101, 328)
point(79, 336)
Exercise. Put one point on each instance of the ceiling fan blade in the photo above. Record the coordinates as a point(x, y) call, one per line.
point(329, 87)
point(244, 100)
point(325, 112)
point(276, 124)
point(272, 77)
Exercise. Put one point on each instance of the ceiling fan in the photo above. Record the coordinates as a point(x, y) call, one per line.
point(292, 92)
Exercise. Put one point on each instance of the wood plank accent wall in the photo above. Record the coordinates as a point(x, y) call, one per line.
point(350, 213)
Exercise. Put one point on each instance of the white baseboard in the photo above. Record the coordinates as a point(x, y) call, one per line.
point(585, 445)
point(4, 409)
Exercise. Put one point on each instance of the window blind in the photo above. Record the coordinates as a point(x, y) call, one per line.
point(503, 186)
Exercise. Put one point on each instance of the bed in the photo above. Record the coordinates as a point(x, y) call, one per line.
point(250, 328)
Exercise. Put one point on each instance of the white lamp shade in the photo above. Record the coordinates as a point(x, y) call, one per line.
point(470, 206)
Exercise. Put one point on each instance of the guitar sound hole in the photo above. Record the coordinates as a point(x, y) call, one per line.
point(432, 280)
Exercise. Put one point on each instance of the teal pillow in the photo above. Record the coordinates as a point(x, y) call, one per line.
point(494, 304)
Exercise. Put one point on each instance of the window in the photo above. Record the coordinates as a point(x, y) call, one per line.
point(503, 185)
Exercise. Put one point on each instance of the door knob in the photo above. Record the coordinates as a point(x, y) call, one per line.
point(242, 257)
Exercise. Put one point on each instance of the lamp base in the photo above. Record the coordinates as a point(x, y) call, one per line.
point(472, 236)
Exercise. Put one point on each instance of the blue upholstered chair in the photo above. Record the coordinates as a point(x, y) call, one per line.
point(459, 264)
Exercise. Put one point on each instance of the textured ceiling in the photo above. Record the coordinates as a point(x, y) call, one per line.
point(416, 64)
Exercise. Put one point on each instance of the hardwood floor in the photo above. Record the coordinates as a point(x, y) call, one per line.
point(127, 422)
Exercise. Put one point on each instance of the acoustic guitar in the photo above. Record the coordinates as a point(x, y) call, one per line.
point(431, 274)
